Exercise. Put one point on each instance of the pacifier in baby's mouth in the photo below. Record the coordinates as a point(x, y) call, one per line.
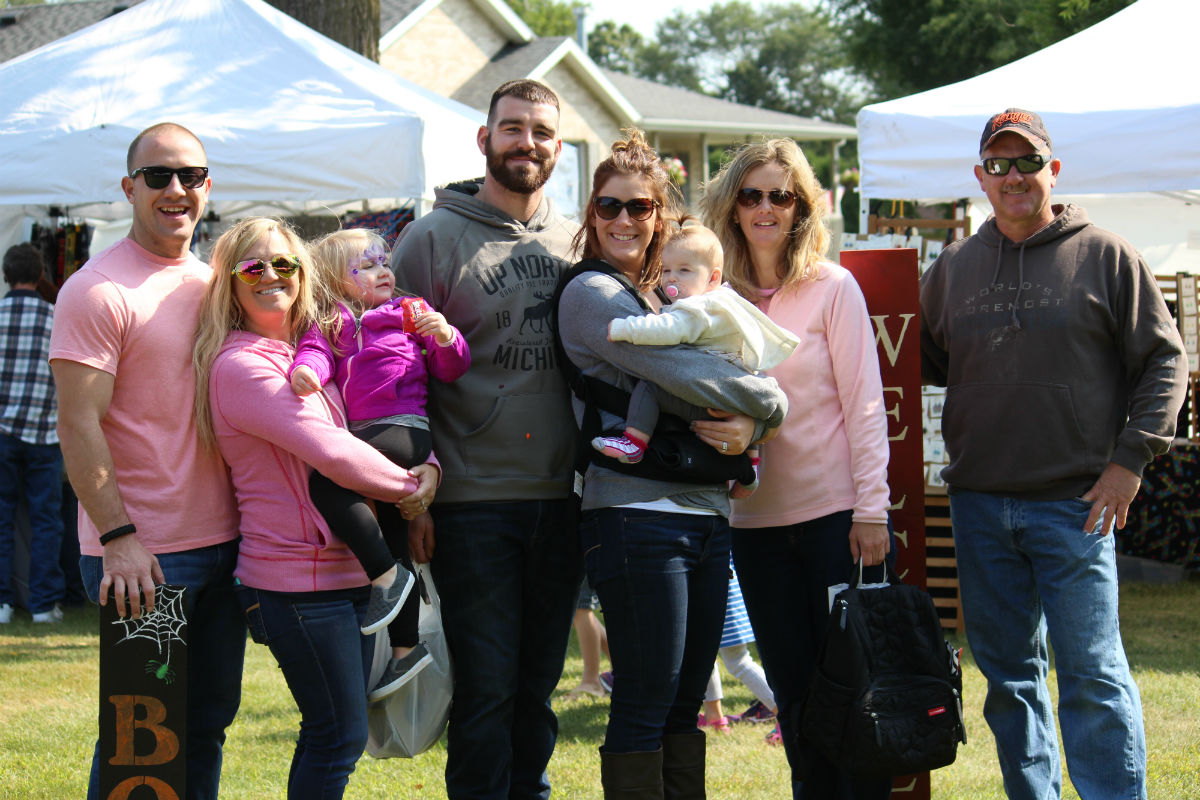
point(672, 291)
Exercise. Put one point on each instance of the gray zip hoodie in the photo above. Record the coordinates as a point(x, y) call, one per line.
point(503, 431)
point(1059, 356)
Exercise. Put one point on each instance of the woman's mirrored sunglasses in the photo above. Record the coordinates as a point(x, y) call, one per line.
point(159, 177)
point(780, 198)
point(1026, 165)
point(251, 270)
point(639, 208)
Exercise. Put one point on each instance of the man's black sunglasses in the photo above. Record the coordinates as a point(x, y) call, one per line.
point(639, 208)
point(1026, 165)
point(159, 177)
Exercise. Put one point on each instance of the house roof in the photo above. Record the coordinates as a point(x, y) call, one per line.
point(533, 60)
point(671, 109)
point(25, 28)
point(397, 17)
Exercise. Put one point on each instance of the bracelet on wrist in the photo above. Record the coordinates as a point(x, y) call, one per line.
point(117, 533)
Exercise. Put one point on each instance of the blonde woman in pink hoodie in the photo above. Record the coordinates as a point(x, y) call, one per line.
point(303, 592)
point(822, 501)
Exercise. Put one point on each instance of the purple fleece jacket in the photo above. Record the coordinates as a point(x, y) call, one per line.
point(382, 371)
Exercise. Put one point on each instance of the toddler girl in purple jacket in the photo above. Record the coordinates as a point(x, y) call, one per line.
point(380, 349)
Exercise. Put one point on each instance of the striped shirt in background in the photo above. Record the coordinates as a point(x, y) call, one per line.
point(28, 407)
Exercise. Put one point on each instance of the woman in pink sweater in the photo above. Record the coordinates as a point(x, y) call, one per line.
point(303, 591)
point(822, 501)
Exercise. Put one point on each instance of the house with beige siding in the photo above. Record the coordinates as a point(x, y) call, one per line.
point(489, 44)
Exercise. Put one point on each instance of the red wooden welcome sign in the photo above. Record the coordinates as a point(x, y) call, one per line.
point(888, 279)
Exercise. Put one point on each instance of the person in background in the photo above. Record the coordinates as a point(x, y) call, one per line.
point(735, 654)
point(157, 508)
point(506, 563)
point(1065, 376)
point(593, 640)
point(30, 461)
point(822, 501)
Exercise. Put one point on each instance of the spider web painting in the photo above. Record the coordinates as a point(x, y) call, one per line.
point(163, 626)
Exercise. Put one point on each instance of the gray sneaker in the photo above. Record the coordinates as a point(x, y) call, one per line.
point(385, 602)
point(54, 615)
point(5, 613)
point(400, 671)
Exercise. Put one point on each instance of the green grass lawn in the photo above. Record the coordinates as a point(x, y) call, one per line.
point(48, 702)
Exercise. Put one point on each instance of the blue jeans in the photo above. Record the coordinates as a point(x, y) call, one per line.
point(216, 648)
point(1026, 568)
point(785, 573)
point(325, 660)
point(662, 579)
point(34, 470)
point(508, 576)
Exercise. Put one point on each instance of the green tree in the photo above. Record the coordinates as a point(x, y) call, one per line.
point(907, 46)
point(783, 56)
point(615, 47)
point(547, 17)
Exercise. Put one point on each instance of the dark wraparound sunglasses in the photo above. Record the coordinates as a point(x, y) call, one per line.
point(159, 177)
point(251, 270)
point(639, 208)
point(780, 198)
point(1026, 165)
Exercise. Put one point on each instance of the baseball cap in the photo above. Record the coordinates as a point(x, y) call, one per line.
point(1025, 124)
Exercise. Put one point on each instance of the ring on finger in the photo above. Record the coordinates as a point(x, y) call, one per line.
point(724, 447)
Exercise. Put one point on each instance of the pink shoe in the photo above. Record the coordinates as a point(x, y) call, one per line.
point(775, 737)
point(719, 725)
point(620, 448)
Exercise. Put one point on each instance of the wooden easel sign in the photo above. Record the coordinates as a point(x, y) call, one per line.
point(143, 700)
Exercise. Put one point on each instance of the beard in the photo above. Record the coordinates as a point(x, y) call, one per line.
point(518, 179)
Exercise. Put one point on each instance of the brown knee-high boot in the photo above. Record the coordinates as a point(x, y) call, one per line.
point(683, 766)
point(632, 776)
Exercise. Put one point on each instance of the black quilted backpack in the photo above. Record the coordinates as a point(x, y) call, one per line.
point(886, 698)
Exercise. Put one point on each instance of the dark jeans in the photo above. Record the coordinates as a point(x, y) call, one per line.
point(216, 648)
point(378, 539)
point(35, 471)
point(662, 579)
point(325, 660)
point(508, 575)
point(785, 573)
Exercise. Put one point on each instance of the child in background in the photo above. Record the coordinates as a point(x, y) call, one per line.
point(381, 350)
point(703, 313)
point(735, 654)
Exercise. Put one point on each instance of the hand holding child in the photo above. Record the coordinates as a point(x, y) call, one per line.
point(304, 381)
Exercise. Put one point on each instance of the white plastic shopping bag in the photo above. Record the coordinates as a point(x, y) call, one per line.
point(409, 721)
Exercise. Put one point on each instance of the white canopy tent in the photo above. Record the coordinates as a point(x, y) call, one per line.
point(290, 119)
point(1118, 103)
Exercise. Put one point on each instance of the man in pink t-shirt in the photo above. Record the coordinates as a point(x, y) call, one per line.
point(155, 507)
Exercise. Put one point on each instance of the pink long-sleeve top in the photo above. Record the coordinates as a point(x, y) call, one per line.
point(831, 453)
point(269, 437)
point(381, 370)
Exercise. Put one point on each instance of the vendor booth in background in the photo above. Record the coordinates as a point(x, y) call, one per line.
point(292, 121)
point(1124, 126)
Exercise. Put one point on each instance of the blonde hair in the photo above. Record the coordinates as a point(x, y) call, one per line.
point(698, 240)
point(633, 156)
point(220, 312)
point(807, 240)
point(333, 255)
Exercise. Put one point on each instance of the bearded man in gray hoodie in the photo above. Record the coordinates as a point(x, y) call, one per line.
point(1065, 376)
point(506, 562)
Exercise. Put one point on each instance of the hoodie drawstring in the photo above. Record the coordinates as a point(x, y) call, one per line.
point(1016, 323)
